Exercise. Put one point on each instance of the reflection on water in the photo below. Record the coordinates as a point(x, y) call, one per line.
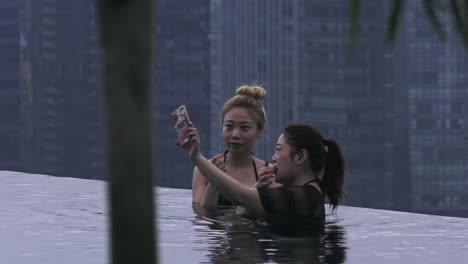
point(236, 240)
point(48, 220)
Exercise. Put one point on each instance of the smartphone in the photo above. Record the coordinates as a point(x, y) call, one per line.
point(180, 121)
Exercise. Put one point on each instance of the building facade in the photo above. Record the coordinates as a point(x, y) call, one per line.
point(60, 108)
point(180, 76)
point(437, 115)
point(9, 85)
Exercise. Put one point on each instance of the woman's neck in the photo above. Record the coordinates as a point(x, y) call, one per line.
point(303, 177)
point(238, 159)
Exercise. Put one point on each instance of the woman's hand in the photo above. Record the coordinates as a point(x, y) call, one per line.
point(218, 161)
point(266, 176)
point(192, 147)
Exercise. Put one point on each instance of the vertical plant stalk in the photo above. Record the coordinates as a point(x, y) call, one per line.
point(394, 19)
point(460, 20)
point(354, 13)
point(125, 37)
point(432, 16)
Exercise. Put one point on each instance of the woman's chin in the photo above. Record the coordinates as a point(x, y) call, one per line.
point(278, 180)
point(237, 149)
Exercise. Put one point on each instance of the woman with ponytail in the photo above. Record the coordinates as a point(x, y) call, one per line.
point(310, 168)
point(324, 160)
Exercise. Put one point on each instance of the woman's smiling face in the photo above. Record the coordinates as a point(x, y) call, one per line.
point(240, 130)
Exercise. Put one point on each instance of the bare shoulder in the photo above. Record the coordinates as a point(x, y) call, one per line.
point(260, 163)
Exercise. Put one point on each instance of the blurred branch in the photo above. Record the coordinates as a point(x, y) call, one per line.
point(457, 8)
point(394, 19)
point(431, 13)
point(461, 26)
point(354, 21)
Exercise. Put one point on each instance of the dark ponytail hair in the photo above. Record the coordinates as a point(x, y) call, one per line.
point(333, 177)
point(323, 153)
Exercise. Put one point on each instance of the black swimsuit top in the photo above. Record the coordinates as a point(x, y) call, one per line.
point(222, 201)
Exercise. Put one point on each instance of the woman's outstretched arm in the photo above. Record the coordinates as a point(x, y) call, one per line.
point(247, 197)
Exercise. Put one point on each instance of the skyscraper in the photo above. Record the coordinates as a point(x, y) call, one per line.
point(255, 42)
point(181, 76)
point(9, 85)
point(398, 111)
point(60, 96)
point(62, 106)
point(437, 115)
point(342, 92)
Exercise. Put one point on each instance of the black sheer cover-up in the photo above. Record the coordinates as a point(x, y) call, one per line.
point(293, 210)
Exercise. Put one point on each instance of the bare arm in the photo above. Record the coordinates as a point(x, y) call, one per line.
point(246, 197)
point(210, 196)
point(199, 186)
point(267, 179)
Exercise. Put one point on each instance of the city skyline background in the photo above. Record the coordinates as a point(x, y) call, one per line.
point(398, 111)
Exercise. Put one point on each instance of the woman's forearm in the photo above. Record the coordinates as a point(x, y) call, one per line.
point(223, 183)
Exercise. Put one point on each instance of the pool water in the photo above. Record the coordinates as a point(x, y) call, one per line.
point(45, 219)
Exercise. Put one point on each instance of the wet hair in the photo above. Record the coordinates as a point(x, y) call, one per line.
point(249, 97)
point(323, 154)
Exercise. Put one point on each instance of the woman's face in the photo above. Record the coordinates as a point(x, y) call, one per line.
point(240, 130)
point(285, 166)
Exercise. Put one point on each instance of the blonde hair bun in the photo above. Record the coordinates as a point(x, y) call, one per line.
point(256, 92)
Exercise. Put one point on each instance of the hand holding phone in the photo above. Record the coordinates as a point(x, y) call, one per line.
point(180, 121)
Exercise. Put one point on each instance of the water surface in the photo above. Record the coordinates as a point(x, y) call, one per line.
point(49, 220)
